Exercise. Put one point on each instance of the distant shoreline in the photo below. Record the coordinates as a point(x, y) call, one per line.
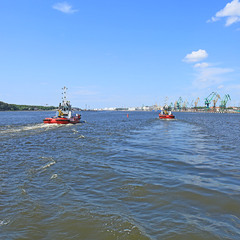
point(28, 110)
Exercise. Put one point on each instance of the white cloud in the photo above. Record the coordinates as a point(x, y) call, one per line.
point(195, 56)
point(220, 86)
point(213, 19)
point(64, 7)
point(210, 76)
point(231, 11)
point(201, 65)
point(206, 74)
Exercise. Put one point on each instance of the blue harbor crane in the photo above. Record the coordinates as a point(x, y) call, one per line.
point(179, 103)
point(170, 107)
point(224, 101)
point(209, 99)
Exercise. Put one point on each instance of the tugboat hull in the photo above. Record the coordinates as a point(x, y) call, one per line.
point(58, 120)
point(166, 116)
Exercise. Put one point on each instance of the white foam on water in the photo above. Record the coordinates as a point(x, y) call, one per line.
point(48, 158)
point(168, 119)
point(4, 222)
point(81, 136)
point(74, 131)
point(30, 127)
point(24, 191)
point(54, 176)
point(48, 165)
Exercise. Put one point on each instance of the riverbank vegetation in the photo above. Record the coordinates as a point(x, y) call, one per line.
point(14, 107)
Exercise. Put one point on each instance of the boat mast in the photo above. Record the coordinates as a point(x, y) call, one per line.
point(64, 97)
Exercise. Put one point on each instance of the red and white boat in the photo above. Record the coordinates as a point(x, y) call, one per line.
point(64, 114)
point(166, 113)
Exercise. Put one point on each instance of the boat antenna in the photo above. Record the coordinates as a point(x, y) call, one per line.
point(64, 98)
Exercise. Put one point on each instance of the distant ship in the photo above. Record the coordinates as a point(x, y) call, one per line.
point(64, 114)
point(166, 113)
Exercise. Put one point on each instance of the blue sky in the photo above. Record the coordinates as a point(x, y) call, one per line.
point(118, 53)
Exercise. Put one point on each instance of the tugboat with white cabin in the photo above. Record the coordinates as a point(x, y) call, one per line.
point(64, 114)
point(166, 113)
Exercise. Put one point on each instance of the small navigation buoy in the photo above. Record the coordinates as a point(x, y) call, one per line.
point(127, 115)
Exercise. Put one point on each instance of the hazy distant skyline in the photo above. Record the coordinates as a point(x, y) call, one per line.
point(118, 53)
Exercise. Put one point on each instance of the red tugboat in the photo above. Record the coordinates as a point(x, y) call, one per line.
point(166, 113)
point(64, 113)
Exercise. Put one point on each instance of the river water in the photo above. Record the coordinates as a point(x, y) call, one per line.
point(114, 177)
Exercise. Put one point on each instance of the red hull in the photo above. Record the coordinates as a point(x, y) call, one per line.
point(166, 116)
point(60, 120)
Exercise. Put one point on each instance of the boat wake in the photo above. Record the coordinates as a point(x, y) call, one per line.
point(4, 222)
point(12, 130)
point(49, 161)
point(167, 119)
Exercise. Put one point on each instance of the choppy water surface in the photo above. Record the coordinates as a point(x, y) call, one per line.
point(115, 177)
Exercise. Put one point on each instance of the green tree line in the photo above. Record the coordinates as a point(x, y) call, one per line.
point(14, 107)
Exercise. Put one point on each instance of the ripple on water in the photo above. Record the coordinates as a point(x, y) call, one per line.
point(119, 178)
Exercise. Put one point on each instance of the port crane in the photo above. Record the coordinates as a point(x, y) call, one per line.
point(191, 105)
point(217, 96)
point(185, 105)
point(175, 105)
point(209, 99)
point(196, 103)
point(179, 103)
point(224, 101)
point(171, 105)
